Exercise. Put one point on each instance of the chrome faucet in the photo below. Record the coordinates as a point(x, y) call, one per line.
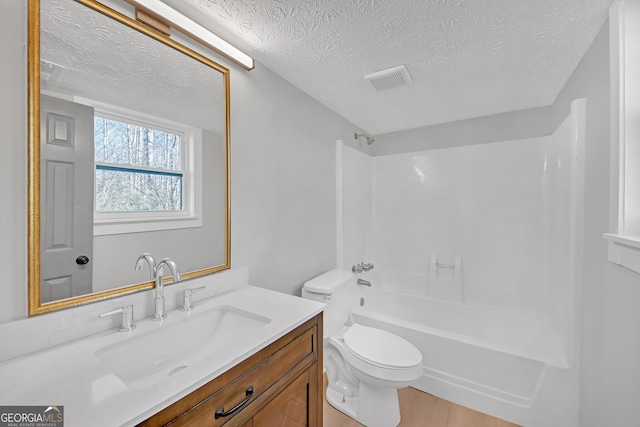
point(364, 282)
point(151, 263)
point(361, 267)
point(127, 324)
point(156, 273)
point(159, 297)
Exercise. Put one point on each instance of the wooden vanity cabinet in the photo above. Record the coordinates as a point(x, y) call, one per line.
point(281, 384)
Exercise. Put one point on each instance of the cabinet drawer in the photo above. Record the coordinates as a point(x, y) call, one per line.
point(260, 378)
point(267, 372)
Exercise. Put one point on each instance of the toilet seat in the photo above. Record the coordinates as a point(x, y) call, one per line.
point(381, 348)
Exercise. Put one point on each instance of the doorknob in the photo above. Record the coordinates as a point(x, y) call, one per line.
point(82, 260)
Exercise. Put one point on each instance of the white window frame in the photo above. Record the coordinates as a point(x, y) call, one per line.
point(624, 240)
point(107, 223)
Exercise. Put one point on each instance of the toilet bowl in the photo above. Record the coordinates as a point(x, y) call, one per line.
point(365, 366)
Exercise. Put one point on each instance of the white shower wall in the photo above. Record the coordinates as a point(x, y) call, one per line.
point(506, 209)
point(503, 207)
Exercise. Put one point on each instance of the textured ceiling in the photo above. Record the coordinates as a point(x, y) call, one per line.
point(467, 58)
point(105, 61)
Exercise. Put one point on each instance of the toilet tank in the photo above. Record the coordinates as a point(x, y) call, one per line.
point(332, 288)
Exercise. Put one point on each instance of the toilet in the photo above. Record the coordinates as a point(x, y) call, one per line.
point(365, 366)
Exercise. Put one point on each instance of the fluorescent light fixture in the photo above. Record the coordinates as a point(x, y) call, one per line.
point(194, 30)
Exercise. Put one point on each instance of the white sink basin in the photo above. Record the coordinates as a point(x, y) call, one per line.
point(152, 356)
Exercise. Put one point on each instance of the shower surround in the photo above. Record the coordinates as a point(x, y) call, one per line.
point(476, 252)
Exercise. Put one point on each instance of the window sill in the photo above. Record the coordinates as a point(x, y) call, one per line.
point(137, 225)
point(624, 250)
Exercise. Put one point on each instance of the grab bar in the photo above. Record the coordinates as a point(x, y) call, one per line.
point(440, 264)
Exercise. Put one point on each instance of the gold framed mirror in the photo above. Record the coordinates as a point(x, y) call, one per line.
point(128, 152)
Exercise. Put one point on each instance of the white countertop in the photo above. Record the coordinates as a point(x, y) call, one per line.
point(71, 375)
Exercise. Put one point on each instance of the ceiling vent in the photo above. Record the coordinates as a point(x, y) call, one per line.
point(389, 78)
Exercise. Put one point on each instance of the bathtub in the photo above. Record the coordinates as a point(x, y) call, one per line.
point(489, 360)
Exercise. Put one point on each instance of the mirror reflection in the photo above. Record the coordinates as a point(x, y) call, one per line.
point(133, 155)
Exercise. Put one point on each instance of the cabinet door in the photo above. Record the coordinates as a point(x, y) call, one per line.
point(290, 408)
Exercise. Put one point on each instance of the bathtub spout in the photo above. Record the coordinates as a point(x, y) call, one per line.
point(364, 282)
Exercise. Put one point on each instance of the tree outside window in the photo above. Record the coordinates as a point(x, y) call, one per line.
point(139, 168)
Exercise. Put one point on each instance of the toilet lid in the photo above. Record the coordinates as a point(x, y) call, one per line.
point(381, 347)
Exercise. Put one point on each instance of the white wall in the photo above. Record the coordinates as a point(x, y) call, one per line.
point(283, 197)
point(610, 372)
point(282, 174)
point(13, 183)
point(355, 193)
point(530, 123)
